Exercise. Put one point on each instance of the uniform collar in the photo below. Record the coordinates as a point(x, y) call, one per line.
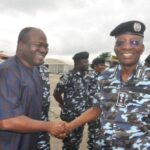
point(135, 74)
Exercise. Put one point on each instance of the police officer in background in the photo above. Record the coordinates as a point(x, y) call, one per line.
point(98, 65)
point(73, 104)
point(43, 142)
point(125, 93)
point(147, 61)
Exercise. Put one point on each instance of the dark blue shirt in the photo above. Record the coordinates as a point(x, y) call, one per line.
point(20, 94)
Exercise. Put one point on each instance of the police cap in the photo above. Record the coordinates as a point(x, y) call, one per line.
point(80, 55)
point(131, 27)
point(97, 61)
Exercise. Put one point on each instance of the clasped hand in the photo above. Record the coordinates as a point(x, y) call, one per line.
point(60, 129)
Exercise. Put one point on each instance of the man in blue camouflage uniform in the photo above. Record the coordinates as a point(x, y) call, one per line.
point(125, 94)
point(74, 87)
point(98, 66)
point(44, 138)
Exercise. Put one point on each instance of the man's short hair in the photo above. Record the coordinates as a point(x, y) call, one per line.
point(23, 34)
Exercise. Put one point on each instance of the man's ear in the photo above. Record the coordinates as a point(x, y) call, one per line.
point(20, 46)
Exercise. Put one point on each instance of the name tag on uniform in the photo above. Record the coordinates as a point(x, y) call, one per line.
point(121, 99)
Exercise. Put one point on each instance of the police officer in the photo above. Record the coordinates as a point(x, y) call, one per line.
point(125, 93)
point(43, 142)
point(98, 66)
point(147, 61)
point(74, 102)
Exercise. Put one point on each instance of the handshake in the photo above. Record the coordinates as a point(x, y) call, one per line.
point(60, 129)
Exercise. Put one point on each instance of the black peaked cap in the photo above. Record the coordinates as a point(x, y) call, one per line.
point(131, 27)
point(80, 55)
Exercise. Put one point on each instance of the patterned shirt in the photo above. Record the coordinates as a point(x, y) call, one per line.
point(44, 138)
point(126, 108)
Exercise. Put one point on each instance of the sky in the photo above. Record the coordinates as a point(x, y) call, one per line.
point(71, 26)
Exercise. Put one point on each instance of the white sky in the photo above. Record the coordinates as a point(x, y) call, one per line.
point(71, 26)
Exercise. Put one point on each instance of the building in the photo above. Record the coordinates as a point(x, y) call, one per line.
point(54, 66)
point(57, 66)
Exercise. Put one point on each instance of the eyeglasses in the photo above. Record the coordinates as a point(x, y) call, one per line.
point(132, 43)
point(40, 45)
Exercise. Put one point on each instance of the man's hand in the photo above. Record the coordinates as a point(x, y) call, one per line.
point(68, 128)
point(57, 129)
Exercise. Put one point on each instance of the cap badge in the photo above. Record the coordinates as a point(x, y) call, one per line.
point(137, 27)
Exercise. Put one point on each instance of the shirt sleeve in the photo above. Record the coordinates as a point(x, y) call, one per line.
point(10, 93)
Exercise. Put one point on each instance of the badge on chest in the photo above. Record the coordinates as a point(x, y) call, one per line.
point(121, 99)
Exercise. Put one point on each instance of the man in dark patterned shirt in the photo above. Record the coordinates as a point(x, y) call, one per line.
point(98, 66)
point(75, 87)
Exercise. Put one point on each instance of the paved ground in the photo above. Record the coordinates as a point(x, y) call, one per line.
point(56, 144)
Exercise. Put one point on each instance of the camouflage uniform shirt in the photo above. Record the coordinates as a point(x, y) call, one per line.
point(125, 118)
point(79, 91)
point(43, 142)
point(79, 94)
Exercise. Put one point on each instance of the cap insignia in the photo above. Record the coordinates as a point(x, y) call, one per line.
point(137, 27)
